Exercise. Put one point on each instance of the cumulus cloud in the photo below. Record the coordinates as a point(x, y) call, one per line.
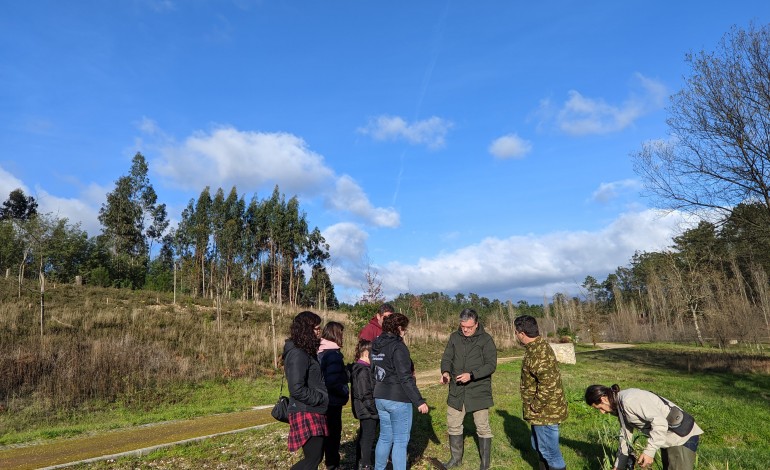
point(609, 191)
point(8, 183)
point(249, 160)
point(83, 210)
point(582, 115)
point(510, 146)
point(349, 196)
point(430, 132)
point(228, 156)
point(530, 267)
point(347, 251)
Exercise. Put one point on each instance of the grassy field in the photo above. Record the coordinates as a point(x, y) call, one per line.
point(731, 405)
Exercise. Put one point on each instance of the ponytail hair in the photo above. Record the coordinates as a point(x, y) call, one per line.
point(594, 394)
point(363, 345)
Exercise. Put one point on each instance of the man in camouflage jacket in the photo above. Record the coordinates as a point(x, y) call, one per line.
point(542, 396)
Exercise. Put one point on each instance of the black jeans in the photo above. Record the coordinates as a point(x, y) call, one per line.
point(332, 446)
point(367, 435)
point(312, 452)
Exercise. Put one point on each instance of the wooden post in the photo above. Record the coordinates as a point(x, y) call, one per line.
point(275, 346)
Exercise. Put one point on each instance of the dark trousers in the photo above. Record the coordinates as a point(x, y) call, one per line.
point(332, 445)
point(367, 435)
point(312, 452)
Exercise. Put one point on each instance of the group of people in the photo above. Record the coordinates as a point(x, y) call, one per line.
point(383, 391)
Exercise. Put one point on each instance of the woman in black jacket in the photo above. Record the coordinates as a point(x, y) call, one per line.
point(308, 398)
point(364, 408)
point(395, 392)
point(336, 379)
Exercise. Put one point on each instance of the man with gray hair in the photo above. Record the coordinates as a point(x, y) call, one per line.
point(469, 360)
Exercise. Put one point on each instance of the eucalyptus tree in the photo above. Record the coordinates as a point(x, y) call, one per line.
point(255, 245)
point(227, 219)
point(294, 245)
point(319, 290)
point(131, 219)
point(201, 229)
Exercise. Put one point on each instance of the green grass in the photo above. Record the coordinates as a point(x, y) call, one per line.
point(180, 401)
point(732, 408)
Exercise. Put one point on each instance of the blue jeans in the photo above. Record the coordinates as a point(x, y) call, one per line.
point(545, 440)
point(395, 426)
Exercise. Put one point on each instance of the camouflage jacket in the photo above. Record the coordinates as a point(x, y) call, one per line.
point(542, 395)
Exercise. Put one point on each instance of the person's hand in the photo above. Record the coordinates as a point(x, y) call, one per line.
point(423, 408)
point(445, 378)
point(463, 378)
point(645, 460)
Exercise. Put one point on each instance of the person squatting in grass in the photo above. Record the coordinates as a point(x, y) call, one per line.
point(544, 405)
point(395, 391)
point(467, 365)
point(308, 398)
point(336, 380)
point(363, 405)
point(648, 412)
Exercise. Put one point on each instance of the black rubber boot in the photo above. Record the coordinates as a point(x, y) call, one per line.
point(485, 449)
point(456, 447)
point(543, 465)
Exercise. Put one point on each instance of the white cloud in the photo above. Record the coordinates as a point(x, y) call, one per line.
point(431, 132)
point(251, 160)
point(347, 242)
point(348, 258)
point(581, 115)
point(8, 183)
point(349, 196)
point(83, 210)
point(510, 146)
point(228, 156)
point(608, 191)
point(531, 267)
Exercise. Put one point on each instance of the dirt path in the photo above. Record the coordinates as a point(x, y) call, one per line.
point(145, 439)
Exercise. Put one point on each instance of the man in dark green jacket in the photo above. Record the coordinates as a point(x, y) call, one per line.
point(544, 406)
point(469, 360)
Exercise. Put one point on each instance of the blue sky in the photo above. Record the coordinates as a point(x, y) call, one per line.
point(452, 146)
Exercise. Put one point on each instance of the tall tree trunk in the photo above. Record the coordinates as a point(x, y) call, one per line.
point(42, 300)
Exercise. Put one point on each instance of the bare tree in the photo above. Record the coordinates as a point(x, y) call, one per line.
point(718, 154)
point(373, 293)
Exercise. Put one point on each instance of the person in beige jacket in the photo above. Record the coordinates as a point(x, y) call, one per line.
point(648, 412)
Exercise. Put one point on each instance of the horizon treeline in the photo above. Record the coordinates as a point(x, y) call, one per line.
point(223, 247)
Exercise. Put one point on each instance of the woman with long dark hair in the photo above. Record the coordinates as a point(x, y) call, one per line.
point(308, 398)
point(667, 428)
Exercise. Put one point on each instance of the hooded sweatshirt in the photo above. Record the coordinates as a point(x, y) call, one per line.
point(362, 390)
point(371, 330)
point(334, 372)
point(307, 391)
point(393, 370)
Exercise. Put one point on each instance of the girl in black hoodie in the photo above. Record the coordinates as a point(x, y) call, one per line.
point(364, 408)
